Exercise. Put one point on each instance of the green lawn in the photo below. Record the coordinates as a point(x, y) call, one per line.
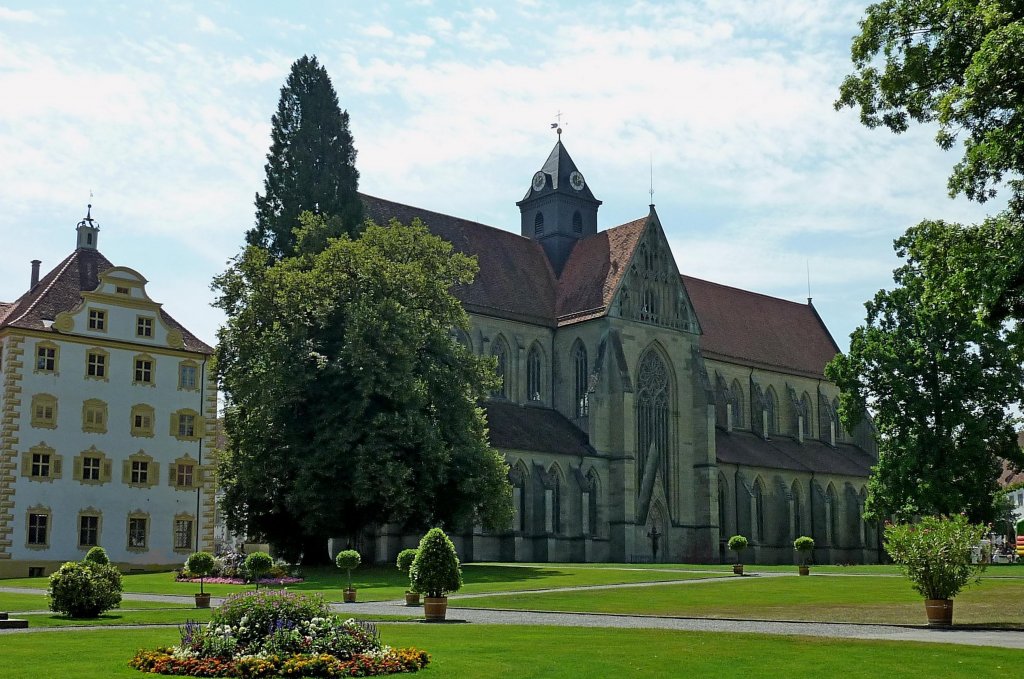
point(465, 651)
point(994, 602)
point(39, 602)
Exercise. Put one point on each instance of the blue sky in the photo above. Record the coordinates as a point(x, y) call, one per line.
point(162, 110)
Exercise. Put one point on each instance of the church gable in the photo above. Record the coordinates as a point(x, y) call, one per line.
point(650, 289)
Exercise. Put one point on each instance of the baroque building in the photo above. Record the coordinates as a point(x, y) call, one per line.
point(105, 407)
point(646, 415)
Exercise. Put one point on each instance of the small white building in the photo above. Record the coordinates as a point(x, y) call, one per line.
point(108, 406)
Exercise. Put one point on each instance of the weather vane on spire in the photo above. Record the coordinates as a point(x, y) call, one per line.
point(557, 126)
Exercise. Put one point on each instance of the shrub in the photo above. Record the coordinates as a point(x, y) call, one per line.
point(737, 543)
point(404, 563)
point(935, 553)
point(435, 571)
point(84, 589)
point(262, 611)
point(200, 564)
point(256, 564)
point(347, 560)
point(804, 545)
point(98, 555)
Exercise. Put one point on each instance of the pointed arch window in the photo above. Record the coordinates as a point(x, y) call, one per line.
point(759, 510)
point(737, 404)
point(538, 224)
point(805, 410)
point(500, 352)
point(797, 511)
point(577, 222)
point(652, 413)
point(771, 404)
point(533, 374)
point(840, 430)
point(581, 399)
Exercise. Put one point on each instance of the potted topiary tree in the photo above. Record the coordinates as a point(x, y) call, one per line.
point(404, 563)
point(436, 572)
point(737, 543)
point(257, 565)
point(201, 564)
point(935, 554)
point(348, 560)
point(804, 545)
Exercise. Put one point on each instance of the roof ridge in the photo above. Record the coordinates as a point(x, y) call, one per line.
point(49, 286)
point(802, 305)
point(447, 216)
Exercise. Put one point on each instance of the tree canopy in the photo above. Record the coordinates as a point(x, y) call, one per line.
point(959, 63)
point(937, 374)
point(349, 403)
point(310, 165)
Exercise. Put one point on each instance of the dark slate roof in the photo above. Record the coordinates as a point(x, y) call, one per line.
point(61, 290)
point(750, 450)
point(518, 427)
point(758, 330)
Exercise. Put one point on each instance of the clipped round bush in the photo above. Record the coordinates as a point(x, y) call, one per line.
point(405, 559)
point(257, 564)
point(738, 543)
point(84, 589)
point(348, 560)
point(98, 555)
point(200, 564)
point(803, 544)
point(435, 571)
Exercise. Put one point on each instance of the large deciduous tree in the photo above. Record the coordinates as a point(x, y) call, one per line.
point(349, 403)
point(310, 165)
point(939, 376)
point(959, 63)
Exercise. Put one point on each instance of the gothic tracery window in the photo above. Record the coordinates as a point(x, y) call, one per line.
point(770, 409)
point(805, 408)
point(533, 374)
point(737, 404)
point(500, 352)
point(581, 401)
point(652, 412)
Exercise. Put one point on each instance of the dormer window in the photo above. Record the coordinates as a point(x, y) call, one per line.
point(121, 290)
point(538, 224)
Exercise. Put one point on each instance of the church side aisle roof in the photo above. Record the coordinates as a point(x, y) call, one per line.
point(516, 427)
point(758, 330)
point(61, 290)
point(750, 450)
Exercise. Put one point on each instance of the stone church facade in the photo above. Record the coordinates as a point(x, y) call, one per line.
point(647, 415)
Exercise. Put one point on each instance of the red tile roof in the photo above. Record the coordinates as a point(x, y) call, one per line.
point(761, 331)
point(61, 290)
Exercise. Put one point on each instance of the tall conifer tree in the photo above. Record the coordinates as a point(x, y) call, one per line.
point(310, 165)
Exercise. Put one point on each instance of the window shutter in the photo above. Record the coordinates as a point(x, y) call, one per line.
point(154, 473)
point(172, 475)
point(200, 426)
point(57, 466)
point(174, 424)
point(77, 469)
point(26, 464)
point(126, 471)
point(107, 470)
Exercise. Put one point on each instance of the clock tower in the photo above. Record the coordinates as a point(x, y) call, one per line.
point(558, 208)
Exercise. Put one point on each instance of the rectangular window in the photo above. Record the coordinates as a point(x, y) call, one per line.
point(187, 377)
point(44, 411)
point(143, 370)
point(183, 534)
point(137, 533)
point(143, 326)
point(96, 365)
point(186, 425)
point(140, 472)
point(41, 465)
point(46, 359)
point(91, 469)
point(97, 319)
point(121, 290)
point(88, 531)
point(184, 476)
point(94, 417)
point(37, 525)
point(143, 422)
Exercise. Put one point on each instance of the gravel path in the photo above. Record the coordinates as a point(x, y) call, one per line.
point(972, 637)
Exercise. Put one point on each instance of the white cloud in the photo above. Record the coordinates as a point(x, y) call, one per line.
point(439, 24)
point(378, 31)
point(22, 16)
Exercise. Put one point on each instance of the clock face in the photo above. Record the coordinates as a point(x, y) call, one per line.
point(539, 180)
point(576, 181)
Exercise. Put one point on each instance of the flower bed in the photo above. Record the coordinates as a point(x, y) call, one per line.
point(241, 581)
point(278, 634)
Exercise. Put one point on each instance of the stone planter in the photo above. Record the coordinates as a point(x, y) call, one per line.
point(737, 569)
point(349, 596)
point(939, 611)
point(435, 609)
point(805, 570)
point(202, 600)
point(412, 598)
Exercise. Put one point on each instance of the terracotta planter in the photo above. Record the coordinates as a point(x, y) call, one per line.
point(805, 570)
point(939, 611)
point(737, 569)
point(435, 609)
point(350, 596)
point(202, 600)
point(412, 598)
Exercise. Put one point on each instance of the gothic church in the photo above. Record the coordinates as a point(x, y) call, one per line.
point(647, 415)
